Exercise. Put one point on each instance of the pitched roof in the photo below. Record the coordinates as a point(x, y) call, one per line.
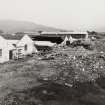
point(11, 37)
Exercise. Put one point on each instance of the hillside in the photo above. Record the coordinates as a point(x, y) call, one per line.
point(13, 26)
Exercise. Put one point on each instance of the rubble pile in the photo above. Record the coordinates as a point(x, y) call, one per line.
point(68, 69)
point(78, 68)
point(99, 45)
point(19, 99)
point(11, 100)
point(65, 52)
point(90, 67)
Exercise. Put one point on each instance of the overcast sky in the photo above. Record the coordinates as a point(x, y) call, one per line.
point(67, 14)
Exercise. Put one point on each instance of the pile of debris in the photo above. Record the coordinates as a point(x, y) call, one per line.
point(67, 52)
point(77, 68)
point(19, 98)
point(11, 100)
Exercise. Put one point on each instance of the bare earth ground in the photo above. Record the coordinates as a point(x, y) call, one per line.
point(19, 84)
point(19, 75)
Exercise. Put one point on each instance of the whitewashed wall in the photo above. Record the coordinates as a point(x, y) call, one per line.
point(6, 47)
point(26, 40)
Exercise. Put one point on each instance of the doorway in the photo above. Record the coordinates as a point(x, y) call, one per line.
point(67, 43)
point(10, 54)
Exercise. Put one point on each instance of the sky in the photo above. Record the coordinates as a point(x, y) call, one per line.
point(66, 14)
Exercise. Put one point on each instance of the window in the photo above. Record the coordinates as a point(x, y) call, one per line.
point(0, 52)
point(25, 47)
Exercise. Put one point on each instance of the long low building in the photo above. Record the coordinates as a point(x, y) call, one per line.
point(66, 36)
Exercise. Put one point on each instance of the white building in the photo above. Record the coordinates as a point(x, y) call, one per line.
point(26, 46)
point(6, 50)
point(14, 47)
point(8, 47)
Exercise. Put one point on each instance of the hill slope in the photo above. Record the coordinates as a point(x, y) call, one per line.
point(12, 26)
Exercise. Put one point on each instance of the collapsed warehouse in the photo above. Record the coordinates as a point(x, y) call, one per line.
point(64, 37)
point(46, 40)
point(53, 39)
point(60, 37)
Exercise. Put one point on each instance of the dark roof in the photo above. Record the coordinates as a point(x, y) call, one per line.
point(52, 39)
point(33, 37)
point(11, 37)
point(42, 38)
point(50, 35)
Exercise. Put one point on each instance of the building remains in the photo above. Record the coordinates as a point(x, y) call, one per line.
point(22, 44)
